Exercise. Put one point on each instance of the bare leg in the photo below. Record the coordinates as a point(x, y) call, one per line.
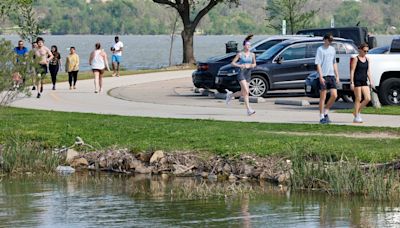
point(331, 100)
point(357, 98)
point(322, 97)
point(244, 89)
point(367, 97)
point(117, 69)
point(114, 66)
point(96, 80)
point(101, 81)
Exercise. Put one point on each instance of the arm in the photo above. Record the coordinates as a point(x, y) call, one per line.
point(234, 61)
point(51, 56)
point(352, 70)
point(59, 61)
point(91, 58)
point(77, 62)
point(106, 61)
point(318, 62)
point(335, 69)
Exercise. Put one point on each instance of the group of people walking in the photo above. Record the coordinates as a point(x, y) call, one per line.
point(46, 59)
point(327, 69)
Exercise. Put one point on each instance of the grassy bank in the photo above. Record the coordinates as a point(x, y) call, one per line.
point(385, 110)
point(55, 129)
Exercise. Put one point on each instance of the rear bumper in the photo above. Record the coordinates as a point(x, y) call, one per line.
point(203, 79)
point(227, 82)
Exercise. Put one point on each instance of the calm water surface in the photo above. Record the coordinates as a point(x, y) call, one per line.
point(148, 51)
point(106, 200)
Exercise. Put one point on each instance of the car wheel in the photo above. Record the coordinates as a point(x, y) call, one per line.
point(258, 86)
point(389, 92)
point(347, 98)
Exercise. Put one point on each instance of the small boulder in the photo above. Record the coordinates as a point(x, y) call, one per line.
point(80, 163)
point(156, 156)
point(71, 154)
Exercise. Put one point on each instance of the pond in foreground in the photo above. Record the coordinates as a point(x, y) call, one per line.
point(109, 200)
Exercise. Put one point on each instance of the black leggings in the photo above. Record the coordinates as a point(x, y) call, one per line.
point(53, 72)
point(72, 75)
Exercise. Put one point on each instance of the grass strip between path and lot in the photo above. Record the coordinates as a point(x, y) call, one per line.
point(52, 129)
point(385, 110)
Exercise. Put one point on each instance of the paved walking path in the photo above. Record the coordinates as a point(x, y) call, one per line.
point(83, 99)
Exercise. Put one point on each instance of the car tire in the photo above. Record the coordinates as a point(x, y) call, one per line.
point(389, 92)
point(347, 98)
point(221, 90)
point(258, 86)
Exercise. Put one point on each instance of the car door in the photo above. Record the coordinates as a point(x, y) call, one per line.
point(290, 67)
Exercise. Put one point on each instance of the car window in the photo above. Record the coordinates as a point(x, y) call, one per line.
point(350, 48)
point(297, 51)
point(311, 51)
point(339, 47)
point(265, 46)
point(270, 53)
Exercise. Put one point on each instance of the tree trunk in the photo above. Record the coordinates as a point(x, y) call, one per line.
point(188, 53)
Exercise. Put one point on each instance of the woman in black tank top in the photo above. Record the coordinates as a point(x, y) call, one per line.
point(359, 75)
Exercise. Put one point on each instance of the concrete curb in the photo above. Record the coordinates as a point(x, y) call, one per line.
point(293, 102)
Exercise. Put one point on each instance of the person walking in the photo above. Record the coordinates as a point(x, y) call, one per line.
point(54, 65)
point(44, 56)
point(98, 61)
point(32, 62)
point(21, 53)
point(116, 56)
point(72, 67)
point(246, 61)
point(359, 75)
point(327, 69)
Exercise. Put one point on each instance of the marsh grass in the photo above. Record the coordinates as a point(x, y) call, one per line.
point(19, 156)
point(344, 177)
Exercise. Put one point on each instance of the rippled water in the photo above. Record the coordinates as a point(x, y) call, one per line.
point(107, 200)
point(148, 51)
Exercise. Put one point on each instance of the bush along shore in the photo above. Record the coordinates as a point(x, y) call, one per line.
point(344, 177)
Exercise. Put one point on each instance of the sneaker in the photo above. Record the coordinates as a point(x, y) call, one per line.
point(113, 74)
point(70, 88)
point(38, 95)
point(323, 121)
point(41, 89)
point(54, 87)
point(357, 119)
point(228, 96)
point(326, 117)
point(251, 112)
point(74, 87)
point(96, 91)
point(33, 88)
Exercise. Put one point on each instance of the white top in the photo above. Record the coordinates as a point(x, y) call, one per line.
point(117, 46)
point(98, 61)
point(326, 57)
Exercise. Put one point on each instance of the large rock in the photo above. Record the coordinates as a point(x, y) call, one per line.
point(80, 163)
point(156, 156)
point(71, 154)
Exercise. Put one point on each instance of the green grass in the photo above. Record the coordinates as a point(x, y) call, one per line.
point(52, 129)
point(385, 110)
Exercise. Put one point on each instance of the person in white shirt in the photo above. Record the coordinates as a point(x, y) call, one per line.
point(116, 58)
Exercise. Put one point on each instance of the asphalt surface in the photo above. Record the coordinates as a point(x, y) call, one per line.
point(171, 95)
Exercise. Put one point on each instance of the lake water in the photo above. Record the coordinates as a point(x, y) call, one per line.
point(109, 200)
point(148, 51)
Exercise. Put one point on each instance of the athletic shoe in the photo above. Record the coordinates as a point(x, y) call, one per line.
point(70, 88)
point(33, 88)
point(41, 89)
point(74, 87)
point(96, 91)
point(323, 121)
point(38, 95)
point(357, 119)
point(114, 74)
point(326, 117)
point(228, 96)
point(54, 87)
point(251, 112)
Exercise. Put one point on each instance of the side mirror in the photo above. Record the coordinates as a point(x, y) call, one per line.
point(279, 60)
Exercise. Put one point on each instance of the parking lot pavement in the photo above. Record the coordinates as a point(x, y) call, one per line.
point(171, 95)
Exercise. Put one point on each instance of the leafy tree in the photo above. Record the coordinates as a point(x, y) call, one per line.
point(191, 16)
point(293, 11)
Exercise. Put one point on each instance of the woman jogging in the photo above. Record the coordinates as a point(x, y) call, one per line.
point(246, 61)
point(98, 61)
point(359, 74)
point(54, 65)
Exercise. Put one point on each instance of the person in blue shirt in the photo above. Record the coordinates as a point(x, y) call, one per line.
point(21, 52)
point(246, 61)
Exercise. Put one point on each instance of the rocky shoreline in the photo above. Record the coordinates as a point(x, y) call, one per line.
point(213, 167)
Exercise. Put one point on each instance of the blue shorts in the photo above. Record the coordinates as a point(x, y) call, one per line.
point(116, 58)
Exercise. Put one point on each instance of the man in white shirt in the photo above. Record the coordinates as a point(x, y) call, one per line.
point(328, 76)
point(116, 56)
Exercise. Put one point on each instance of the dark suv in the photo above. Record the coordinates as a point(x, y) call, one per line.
point(204, 76)
point(284, 66)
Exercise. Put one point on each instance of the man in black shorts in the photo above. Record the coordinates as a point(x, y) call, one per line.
point(328, 76)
